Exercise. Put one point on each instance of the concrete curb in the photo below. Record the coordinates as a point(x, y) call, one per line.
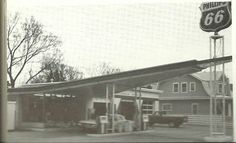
point(45, 129)
point(118, 134)
point(218, 138)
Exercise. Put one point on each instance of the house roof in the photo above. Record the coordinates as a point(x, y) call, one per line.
point(123, 80)
point(205, 76)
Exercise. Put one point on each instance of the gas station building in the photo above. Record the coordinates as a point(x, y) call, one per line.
point(49, 104)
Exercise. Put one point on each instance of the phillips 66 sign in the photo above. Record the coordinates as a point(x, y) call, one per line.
point(215, 16)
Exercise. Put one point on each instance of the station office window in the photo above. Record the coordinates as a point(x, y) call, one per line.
point(147, 107)
point(175, 87)
point(184, 87)
point(192, 86)
point(166, 107)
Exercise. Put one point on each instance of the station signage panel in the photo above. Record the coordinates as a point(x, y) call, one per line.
point(215, 16)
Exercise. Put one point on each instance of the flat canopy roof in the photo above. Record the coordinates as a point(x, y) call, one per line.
point(123, 81)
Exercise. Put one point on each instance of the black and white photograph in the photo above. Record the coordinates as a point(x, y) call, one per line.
point(116, 71)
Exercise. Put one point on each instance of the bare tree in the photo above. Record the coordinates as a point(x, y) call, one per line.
point(47, 61)
point(56, 71)
point(25, 41)
point(105, 69)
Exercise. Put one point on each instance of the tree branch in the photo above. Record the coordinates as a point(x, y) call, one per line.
point(26, 41)
point(31, 77)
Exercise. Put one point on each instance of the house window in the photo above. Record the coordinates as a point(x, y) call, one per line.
point(166, 107)
point(147, 107)
point(192, 86)
point(175, 88)
point(184, 87)
point(195, 108)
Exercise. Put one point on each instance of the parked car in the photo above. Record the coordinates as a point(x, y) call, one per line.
point(120, 123)
point(88, 125)
point(161, 117)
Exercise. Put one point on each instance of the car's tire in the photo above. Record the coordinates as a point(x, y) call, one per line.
point(151, 124)
point(176, 125)
point(171, 124)
point(83, 128)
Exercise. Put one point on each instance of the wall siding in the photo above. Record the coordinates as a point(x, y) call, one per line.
point(185, 106)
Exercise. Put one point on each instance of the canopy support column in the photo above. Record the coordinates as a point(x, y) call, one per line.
point(107, 100)
point(44, 110)
point(136, 109)
point(140, 109)
point(19, 108)
point(113, 107)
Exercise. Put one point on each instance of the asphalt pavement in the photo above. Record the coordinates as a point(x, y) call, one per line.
point(185, 133)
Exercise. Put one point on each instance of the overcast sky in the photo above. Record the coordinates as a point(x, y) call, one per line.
point(126, 35)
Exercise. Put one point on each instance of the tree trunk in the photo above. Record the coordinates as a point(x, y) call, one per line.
point(12, 83)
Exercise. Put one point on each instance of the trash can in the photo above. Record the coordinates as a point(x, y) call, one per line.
point(128, 126)
point(120, 127)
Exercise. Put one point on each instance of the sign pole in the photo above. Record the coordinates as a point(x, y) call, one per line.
point(211, 97)
point(223, 86)
point(216, 16)
point(214, 88)
point(217, 97)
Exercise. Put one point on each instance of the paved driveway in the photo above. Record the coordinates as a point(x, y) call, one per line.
point(157, 134)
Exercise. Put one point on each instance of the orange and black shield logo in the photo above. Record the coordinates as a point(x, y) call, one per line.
point(215, 16)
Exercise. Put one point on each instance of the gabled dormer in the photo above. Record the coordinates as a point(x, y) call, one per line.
point(197, 84)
